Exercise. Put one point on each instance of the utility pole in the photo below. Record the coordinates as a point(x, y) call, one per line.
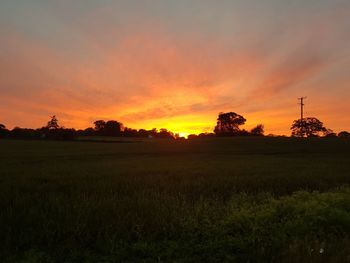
point(302, 128)
point(302, 107)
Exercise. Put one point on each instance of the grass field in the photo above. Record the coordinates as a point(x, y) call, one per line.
point(210, 200)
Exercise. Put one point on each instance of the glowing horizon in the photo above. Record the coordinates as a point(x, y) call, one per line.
point(174, 64)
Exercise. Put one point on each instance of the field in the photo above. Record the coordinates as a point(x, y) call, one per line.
point(210, 200)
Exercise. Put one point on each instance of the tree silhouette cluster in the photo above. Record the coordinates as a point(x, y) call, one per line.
point(111, 128)
point(310, 127)
point(228, 124)
point(108, 128)
point(51, 131)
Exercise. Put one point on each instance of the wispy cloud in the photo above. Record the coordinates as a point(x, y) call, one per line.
point(160, 62)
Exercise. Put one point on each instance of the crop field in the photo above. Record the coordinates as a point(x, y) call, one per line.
point(202, 200)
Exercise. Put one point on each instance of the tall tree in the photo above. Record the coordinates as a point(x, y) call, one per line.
point(228, 124)
point(53, 123)
point(308, 127)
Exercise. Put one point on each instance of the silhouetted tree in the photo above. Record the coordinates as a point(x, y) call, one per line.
point(99, 126)
point(152, 133)
point(228, 124)
point(164, 133)
point(112, 128)
point(143, 133)
point(53, 123)
point(344, 134)
point(109, 128)
point(2, 127)
point(308, 127)
point(258, 130)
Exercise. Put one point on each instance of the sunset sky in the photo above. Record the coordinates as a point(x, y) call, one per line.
point(174, 63)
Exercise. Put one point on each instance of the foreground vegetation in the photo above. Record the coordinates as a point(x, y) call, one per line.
point(206, 200)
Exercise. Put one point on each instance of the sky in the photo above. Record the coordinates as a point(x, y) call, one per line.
point(174, 64)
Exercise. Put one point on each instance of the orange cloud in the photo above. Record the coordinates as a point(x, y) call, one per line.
point(153, 74)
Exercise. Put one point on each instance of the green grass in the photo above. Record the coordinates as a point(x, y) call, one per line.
point(213, 200)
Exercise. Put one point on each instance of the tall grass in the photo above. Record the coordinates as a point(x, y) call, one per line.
point(218, 200)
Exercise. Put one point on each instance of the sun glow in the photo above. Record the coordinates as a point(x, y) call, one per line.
point(183, 125)
point(184, 134)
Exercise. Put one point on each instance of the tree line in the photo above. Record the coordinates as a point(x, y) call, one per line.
point(228, 124)
point(53, 130)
